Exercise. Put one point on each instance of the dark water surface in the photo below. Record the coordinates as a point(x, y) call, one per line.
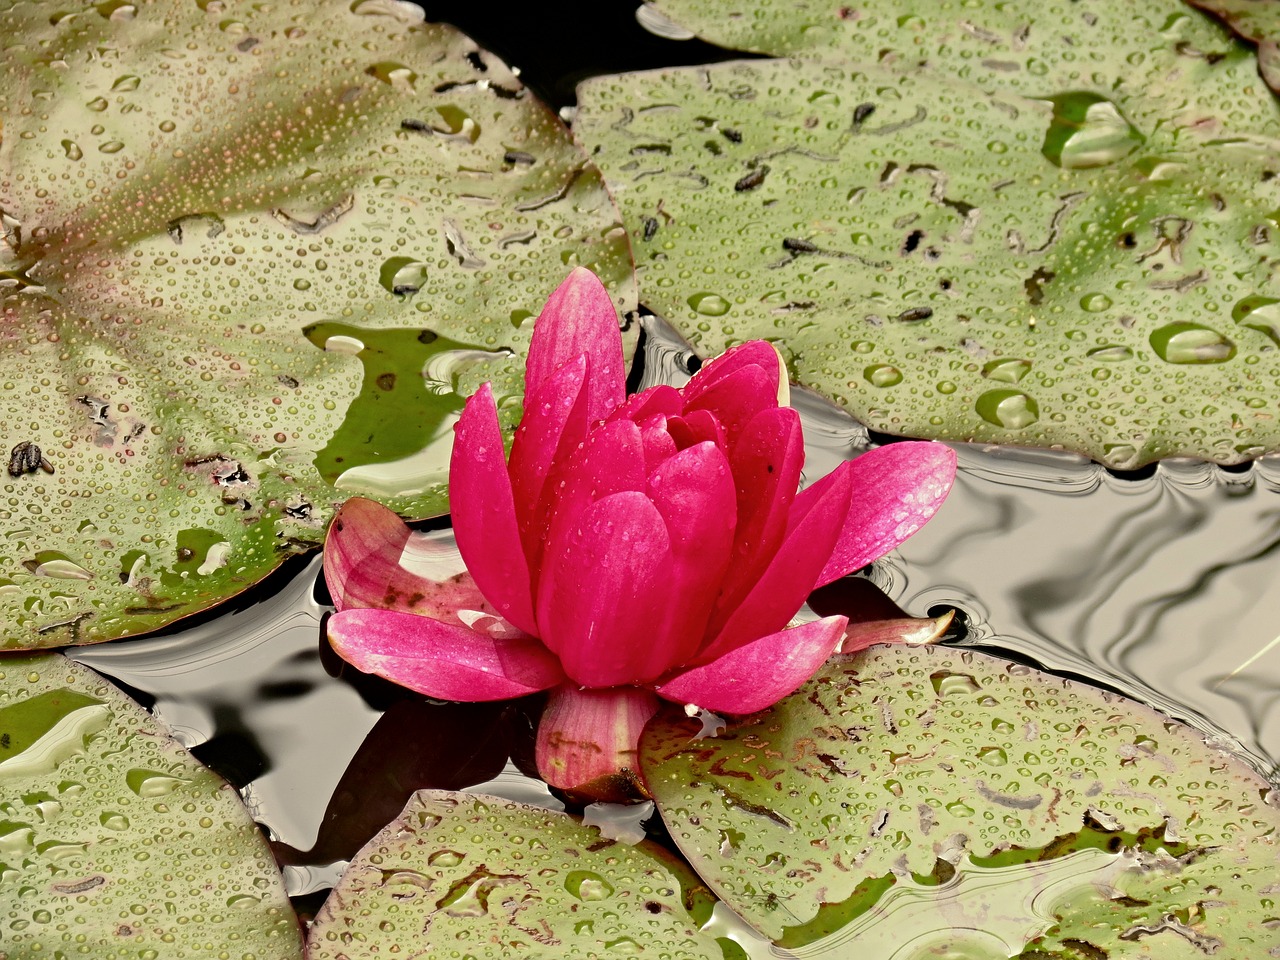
point(1162, 584)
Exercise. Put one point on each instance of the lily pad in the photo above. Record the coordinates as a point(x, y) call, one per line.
point(114, 841)
point(463, 874)
point(1010, 223)
point(920, 801)
point(1258, 23)
point(238, 241)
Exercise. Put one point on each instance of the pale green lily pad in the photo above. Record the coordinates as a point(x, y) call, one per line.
point(481, 877)
point(1256, 22)
point(114, 841)
point(1070, 248)
point(911, 801)
point(238, 240)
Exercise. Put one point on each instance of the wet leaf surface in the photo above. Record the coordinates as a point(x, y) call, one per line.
point(915, 800)
point(485, 877)
point(114, 842)
point(238, 241)
point(1037, 224)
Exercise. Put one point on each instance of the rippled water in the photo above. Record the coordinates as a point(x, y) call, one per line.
point(1162, 585)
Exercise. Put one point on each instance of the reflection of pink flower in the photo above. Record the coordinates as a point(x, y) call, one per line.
point(630, 546)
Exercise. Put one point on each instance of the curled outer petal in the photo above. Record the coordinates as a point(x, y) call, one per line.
point(373, 559)
point(484, 513)
point(442, 660)
point(760, 673)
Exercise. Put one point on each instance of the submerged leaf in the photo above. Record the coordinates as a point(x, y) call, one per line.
point(1011, 222)
point(496, 879)
point(948, 799)
point(252, 258)
point(114, 840)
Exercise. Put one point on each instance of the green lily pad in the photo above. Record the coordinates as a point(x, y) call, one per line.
point(1005, 238)
point(908, 802)
point(238, 240)
point(465, 875)
point(114, 841)
point(1258, 23)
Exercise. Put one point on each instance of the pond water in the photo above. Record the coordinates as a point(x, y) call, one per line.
point(1160, 584)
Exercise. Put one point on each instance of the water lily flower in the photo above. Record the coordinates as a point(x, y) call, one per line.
point(629, 548)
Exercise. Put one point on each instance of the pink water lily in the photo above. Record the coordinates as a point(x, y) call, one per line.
point(629, 549)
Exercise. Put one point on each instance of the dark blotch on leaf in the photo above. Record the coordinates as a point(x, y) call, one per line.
point(752, 179)
point(386, 381)
point(915, 313)
point(650, 228)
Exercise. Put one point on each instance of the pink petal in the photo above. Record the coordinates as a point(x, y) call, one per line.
point(787, 580)
point(766, 468)
point(579, 318)
point(554, 423)
point(588, 740)
point(760, 673)
point(693, 492)
point(697, 426)
point(758, 353)
point(662, 400)
point(899, 487)
point(658, 445)
point(442, 660)
point(737, 397)
point(484, 513)
point(371, 559)
point(601, 592)
point(909, 630)
point(611, 460)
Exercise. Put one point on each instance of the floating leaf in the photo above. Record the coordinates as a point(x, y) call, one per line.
point(238, 241)
point(113, 840)
point(1006, 222)
point(485, 877)
point(1256, 22)
point(935, 799)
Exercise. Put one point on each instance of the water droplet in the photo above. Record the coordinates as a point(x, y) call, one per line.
point(1259, 313)
point(51, 563)
point(1110, 354)
point(149, 783)
point(883, 375)
point(403, 275)
point(1095, 302)
point(1007, 371)
point(446, 858)
point(586, 885)
point(126, 83)
point(947, 684)
point(72, 150)
point(1088, 131)
point(993, 756)
point(709, 304)
point(1184, 342)
point(1008, 408)
point(395, 75)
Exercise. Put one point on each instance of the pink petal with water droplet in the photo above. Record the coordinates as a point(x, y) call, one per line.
point(484, 514)
point(766, 468)
point(601, 592)
point(586, 738)
point(758, 674)
point(899, 487)
point(554, 423)
point(758, 353)
point(737, 398)
point(662, 400)
point(693, 492)
point(372, 559)
point(579, 318)
point(611, 460)
point(788, 578)
point(658, 445)
point(442, 660)
point(697, 426)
